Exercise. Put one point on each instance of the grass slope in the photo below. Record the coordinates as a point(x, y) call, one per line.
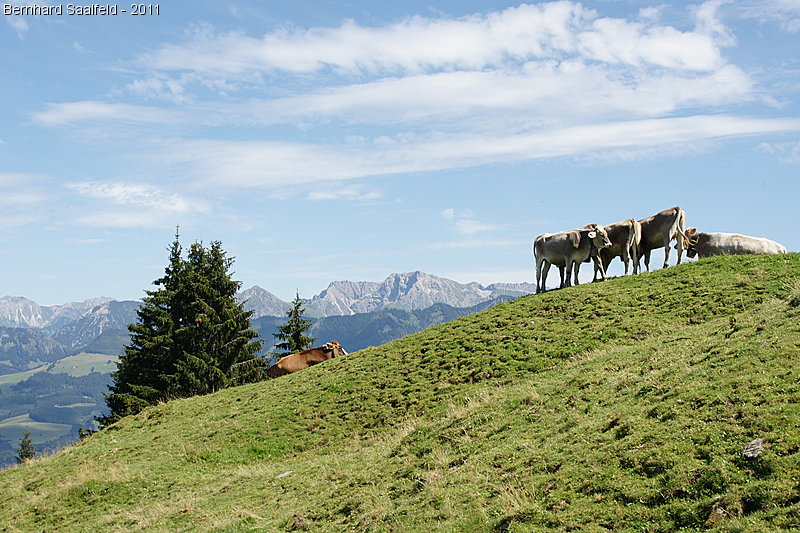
point(619, 406)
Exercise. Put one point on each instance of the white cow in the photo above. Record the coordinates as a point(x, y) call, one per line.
point(567, 250)
point(658, 230)
point(625, 238)
point(708, 244)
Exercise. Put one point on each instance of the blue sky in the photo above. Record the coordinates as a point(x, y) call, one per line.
point(327, 140)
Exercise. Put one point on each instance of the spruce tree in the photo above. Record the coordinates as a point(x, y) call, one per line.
point(191, 336)
point(25, 451)
point(292, 334)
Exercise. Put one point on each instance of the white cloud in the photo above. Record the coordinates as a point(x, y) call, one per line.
point(708, 22)
point(420, 44)
point(786, 13)
point(140, 195)
point(92, 111)
point(352, 193)
point(23, 199)
point(19, 24)
point(786, 152)
point(547, 91)
point(134, 205)
point(160, 87)
point(449, 213)
point(254, 164)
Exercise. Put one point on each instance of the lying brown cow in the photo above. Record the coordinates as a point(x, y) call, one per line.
point(302, 360)
point(708, 244)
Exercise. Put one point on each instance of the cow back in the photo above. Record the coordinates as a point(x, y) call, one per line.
point(558, 248)
point(654, 228)
point(299, 361)
point(709, 244)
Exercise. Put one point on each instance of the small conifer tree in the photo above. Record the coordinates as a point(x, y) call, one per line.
point(25, 451)
point(292, 334)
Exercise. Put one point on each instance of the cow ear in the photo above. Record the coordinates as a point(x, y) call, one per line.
point(592, 234)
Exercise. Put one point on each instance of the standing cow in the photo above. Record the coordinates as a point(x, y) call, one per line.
point(625, 238)
point(567, 250)
point(708, 244)
point(659, 230)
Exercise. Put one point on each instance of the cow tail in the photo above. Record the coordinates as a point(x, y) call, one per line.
point(634, 238)
point(681, 223)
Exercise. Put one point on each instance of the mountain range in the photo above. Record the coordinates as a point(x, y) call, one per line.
point(16, 312)
point(79, 322)
point(410, 291)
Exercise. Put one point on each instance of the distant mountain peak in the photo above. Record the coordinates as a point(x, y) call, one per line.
point(262, 302)
point(407, 290)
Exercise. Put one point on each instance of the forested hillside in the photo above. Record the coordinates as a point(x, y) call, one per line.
point(623, 405)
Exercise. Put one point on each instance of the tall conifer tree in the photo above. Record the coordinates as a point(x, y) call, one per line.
point(191, 337)
point(292, 334)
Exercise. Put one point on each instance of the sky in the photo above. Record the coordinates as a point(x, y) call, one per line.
point(348, 140)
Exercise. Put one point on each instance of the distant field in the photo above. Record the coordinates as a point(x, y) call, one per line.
point(14, 428)
point(11, 379)
point(84, 363)
point(75, 365)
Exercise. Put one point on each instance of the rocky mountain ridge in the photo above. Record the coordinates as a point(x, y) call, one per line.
point(409, 291)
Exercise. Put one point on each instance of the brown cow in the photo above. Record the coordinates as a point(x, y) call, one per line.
point(302, 360)
point(659, 230)
point(625, 237)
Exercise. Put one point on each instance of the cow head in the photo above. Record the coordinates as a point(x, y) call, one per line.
point(598, 236)
point(690, 239)
point(335, 348)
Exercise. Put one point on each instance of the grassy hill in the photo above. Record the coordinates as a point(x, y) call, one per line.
point(618, 406)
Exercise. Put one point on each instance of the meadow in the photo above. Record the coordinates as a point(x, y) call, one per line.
point(615, 406)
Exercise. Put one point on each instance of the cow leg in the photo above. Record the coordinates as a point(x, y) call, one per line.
point(539, 275)
point(666, 251)
point(561, 270)
point(577, 269)
point(566, 282)
point(647, 259)
point(604, 266)
point(545, 270)
point(597, 266)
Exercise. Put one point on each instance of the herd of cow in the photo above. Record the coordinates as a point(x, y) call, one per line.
point(630, 240)
point(633, 239)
